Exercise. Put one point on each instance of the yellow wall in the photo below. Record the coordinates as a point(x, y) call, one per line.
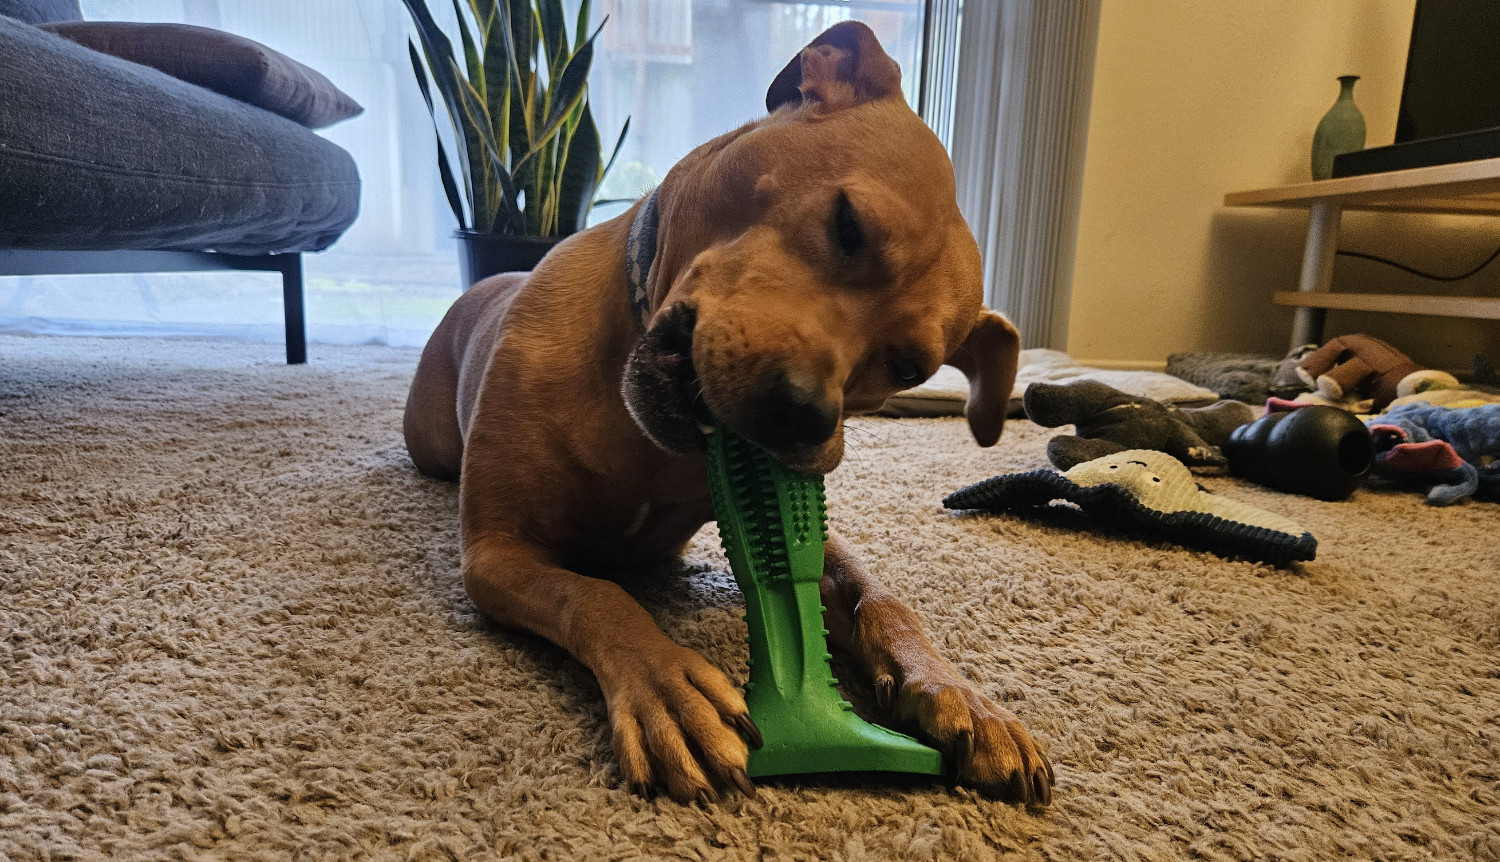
point(1193, 99)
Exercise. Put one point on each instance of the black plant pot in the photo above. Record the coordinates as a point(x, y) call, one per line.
point(481, 254)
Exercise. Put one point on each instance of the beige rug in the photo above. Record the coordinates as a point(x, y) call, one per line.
point(231, 628)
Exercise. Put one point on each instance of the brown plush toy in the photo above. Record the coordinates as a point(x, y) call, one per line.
point(1353, 363)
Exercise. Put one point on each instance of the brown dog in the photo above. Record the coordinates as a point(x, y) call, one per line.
point(806, 267)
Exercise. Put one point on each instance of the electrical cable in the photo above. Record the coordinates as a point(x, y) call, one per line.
point(1401, 266)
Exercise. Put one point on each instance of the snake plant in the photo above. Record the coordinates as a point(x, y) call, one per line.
point(527, 155)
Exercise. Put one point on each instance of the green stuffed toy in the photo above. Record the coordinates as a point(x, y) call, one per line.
point(1110, 421)
point(1150, 491)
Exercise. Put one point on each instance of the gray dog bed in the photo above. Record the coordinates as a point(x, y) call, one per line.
point(946, 392)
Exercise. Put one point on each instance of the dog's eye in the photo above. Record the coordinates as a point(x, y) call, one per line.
point(907, 373)
point(846, 230)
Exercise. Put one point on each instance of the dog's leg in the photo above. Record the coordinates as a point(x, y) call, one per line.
point(676, 718)
point(430, 423)
point(988, 743)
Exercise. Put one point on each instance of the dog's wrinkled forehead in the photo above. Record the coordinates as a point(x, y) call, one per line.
point(878, 172)
point(884, 142)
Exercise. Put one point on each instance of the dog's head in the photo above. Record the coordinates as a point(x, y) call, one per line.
point(812, 264)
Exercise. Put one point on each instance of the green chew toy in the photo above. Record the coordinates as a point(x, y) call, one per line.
point(773, 524)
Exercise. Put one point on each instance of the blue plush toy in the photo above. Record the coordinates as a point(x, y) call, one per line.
point(1452, 449)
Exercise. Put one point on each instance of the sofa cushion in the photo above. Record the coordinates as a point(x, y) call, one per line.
point(99, 153)
point(223, 62)
point(41, 11)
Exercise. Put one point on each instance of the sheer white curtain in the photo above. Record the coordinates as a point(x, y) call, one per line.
point(682, 70)
point(1024, 80)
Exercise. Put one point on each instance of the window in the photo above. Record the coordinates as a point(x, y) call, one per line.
point(688, 70)
point(682, 70)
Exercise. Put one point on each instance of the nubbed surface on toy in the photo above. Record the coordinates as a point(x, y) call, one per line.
point(773, 523)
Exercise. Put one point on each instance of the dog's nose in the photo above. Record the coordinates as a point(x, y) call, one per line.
point(789, 416)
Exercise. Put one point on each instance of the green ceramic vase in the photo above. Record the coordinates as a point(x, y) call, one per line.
point(1342, 130)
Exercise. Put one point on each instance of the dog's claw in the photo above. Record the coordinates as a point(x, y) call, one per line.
point(1018, 790)
point(707, 797)
point(885, 691)
point(963, 750)
point(1041, 782)
point(744, 724)
point(642, 789)
point(742, 781)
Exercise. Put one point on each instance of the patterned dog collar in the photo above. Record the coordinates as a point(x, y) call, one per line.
point(640, 253)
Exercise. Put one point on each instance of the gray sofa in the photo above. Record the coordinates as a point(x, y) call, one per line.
point(111, 166)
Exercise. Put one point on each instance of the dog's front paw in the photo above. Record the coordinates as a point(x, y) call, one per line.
point(679, 724)
point(987, 743)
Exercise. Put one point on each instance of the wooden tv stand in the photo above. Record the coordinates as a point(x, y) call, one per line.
point(1465, 188)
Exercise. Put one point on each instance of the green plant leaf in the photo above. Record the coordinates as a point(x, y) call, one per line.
point(438, 52)
point(578, 175)
point(499, 67)
point(582, 26)
point(476, 121)
point(522, 49)
point(453, 119)
point(515, 222)
point(471, 53)
point(450, 188)
point(541, 186)
point(619, 142)
point(565, 93)
point(445, 169)
point(554, 33)
point(497, 201)
point(523, 35)
point(484, 14)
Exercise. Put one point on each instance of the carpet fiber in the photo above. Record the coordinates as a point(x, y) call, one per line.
point(231, 627)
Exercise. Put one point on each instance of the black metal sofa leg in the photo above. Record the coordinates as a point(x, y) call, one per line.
point(296, 321)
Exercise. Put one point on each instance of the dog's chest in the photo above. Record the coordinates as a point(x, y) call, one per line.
point(643, 513)
point(675, 503)
point(665, 526)
point(647, 534)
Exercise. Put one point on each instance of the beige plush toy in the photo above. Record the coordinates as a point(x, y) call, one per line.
point(1362, 363)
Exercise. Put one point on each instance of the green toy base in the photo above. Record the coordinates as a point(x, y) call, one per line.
point(773, 525)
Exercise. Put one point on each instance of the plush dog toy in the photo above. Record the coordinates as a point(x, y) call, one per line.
point(1452, 449)
point(1353, 364)
point(1151, 491)
point(1110, 421)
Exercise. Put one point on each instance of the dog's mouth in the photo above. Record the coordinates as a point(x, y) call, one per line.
point(661, 389)
point(665, 397)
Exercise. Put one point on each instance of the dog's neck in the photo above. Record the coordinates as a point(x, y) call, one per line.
point(640, 254)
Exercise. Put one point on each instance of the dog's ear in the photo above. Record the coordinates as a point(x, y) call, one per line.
point(988, 357)
point(843, 67)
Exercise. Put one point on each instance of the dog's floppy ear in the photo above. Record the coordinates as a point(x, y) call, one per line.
point(841, 68)
point(988, 357)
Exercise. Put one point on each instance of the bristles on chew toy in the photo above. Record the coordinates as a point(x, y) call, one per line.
point(773, 524)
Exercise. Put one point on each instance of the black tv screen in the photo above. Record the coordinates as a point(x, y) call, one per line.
point(1452, 70)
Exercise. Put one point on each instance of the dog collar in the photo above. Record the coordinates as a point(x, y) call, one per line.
point(640, 253)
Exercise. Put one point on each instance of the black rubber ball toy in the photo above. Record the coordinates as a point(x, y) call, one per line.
point(1319, 451)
